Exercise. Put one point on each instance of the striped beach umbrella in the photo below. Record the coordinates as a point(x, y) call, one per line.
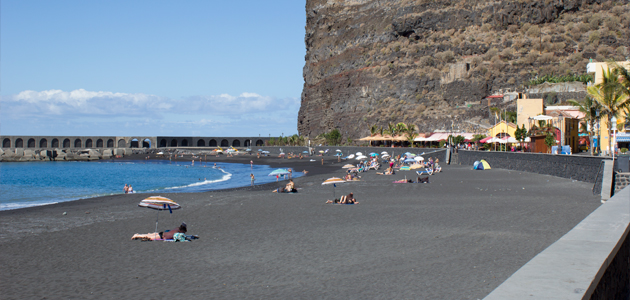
point(334, 181)
point(159, 203)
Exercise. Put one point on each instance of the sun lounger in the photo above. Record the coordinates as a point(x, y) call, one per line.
point(428, 171)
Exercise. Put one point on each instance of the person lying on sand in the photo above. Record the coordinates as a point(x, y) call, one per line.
point(389, 171)
point(304, 171)
point(344, 200)
point(164, 235)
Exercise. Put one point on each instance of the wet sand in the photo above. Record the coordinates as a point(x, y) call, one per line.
point(457, 237)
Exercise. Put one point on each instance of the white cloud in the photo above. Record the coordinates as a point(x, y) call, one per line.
point(108, 112)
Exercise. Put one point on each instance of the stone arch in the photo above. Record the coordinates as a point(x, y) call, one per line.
point(6, 143)
point(66, 143)
point(110, 143)
point(30, 143)
point(19, 143)
point(88, 143)
point(225, 143)
point(163, 143)
point(174, 143)
point(236, 143)
point(260, 143)
point(212, 143)
point(121, 143)
point(146, 143)
point(99, 143)
point(185, 143)
point(77, 143)
point(55, 143)
point(247, 143)
point(133, 143)
point(43, 143)
point(201, 143)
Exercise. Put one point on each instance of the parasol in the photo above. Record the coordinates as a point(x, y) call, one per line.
point(159, 203)
point(333, 181)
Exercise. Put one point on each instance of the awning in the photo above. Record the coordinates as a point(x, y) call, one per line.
point(623, 137)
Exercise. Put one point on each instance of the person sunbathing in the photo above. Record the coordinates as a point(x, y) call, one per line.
point(279, 190)
point(389, 171)
point(165, 235)
point(403, 181)
point(423, 180)
point(348, 199)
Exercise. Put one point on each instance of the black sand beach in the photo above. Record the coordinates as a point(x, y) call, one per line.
point(457, 237)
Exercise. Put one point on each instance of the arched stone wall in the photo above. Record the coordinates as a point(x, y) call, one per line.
point(30, 143)
point(201, 143)
point(122, 144)
point(6, 143)
point(236, 143)
point(88, 143)
point(225, 143)
point(247, 143)
point(77, 143)
point(174, 143)
point(163, 143)
point(212, 143)
point(146, 143)
point(43, 143)
point(19, 143)
point(185, 143)
point(110, 143)
point(260, 143)
point(66, 143)
point(134, 143)
point(99, 143)
point(55, 143)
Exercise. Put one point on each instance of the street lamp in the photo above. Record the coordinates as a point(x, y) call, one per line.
point(613, 122)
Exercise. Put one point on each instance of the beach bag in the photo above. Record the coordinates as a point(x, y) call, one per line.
point(179, 237)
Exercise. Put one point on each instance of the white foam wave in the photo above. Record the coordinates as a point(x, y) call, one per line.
point(10, 206)
point(225, 177)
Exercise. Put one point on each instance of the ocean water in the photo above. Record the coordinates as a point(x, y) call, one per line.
point(41, 183)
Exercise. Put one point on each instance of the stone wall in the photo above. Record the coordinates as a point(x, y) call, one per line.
point(577, 167)
point(622, 180)
point(614, 281)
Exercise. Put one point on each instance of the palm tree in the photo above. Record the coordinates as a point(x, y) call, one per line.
point(391, 129)
point(611, 96)
point(401, 128)
point(590, 108)
point(410, 137)
point(373, 130)
point(411, 128)
point(623, 75)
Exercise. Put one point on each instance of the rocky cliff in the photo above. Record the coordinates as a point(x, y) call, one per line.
point(430, 62)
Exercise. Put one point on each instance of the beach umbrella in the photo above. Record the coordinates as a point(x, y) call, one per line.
point(360, 157)
point(321, 151)
point(338, 150)
point(373, 154)
point(159, 203)
point(409, 160)
point(384, 153)
point(334, 181)
point(260, 150)
point(418, 158)
point(338, 154)
point(348, 166)
point(266, 152)
point(305, 152)
point(279, 172)
point(359, 153)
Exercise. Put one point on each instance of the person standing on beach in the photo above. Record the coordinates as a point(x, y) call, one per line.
point(251, 163)
point(126, 189)
point(252, 178)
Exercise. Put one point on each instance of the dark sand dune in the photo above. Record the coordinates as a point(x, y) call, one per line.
point(456, 238)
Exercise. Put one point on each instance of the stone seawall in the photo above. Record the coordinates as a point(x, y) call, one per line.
point(581, 168)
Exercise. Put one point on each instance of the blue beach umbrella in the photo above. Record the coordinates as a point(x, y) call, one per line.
point(279, 172)
point(409, 160)
point(260, 150)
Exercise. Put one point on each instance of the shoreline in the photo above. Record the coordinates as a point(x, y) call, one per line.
point(316, 169)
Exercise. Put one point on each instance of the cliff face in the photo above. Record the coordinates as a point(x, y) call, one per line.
point(430, 62)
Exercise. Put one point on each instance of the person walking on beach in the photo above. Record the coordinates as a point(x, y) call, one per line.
point(252, 178)
point(126, 189)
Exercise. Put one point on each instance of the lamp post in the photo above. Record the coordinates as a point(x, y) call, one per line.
point(613, 122)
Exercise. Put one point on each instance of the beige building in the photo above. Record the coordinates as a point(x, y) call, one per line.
point(597, 68)
point(526, 109)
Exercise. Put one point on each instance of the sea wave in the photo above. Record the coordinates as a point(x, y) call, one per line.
point(226, 177)
point(10, 206)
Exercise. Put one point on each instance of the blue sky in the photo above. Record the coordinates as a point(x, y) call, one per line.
point(200, 68)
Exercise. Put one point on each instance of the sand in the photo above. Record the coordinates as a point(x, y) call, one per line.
point(457, 237)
